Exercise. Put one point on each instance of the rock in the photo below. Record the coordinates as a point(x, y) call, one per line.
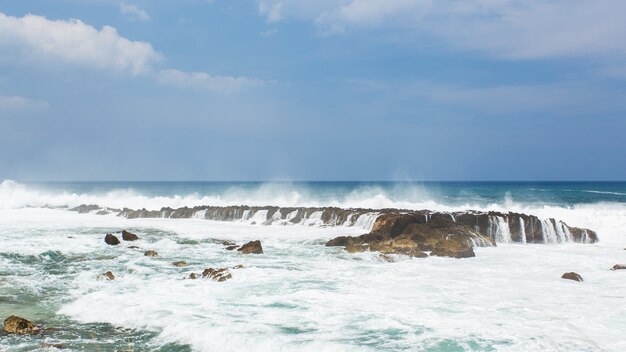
point(54, 345)
point(357, 248)
point(179, 264)
point(619, 267)
point(386, 258)
point(453, 248)
point(111, 240)
point(240, 266)
point(228, 243)
point(106, 276)
point(221, 274)
point(133, 247)
point(129, 236)
point(193, 276)
point(231, 248)
point(572, 276)
point(151, 254)
point(252, 247)
point(17, 325)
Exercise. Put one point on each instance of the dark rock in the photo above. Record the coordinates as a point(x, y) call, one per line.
point(220, 274)
point(228, 243)
point(84, 208)
point(240, 266)
point(179, 264)
point(252, 247)
point(17, 325)
point(106, 276)
point(111, 240)
point(572, 276)
point(231, 248)
point(193, 276)
point(619, 267)
point(151, 254)
point(129, 236)
point(133, 247)
point(357, 248)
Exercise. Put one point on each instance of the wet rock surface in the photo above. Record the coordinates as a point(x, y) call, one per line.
point(106, 276)
point(619, 267)
point(150, 253)
point(179, 264)
point(18, 325)
point(111, 240)
point(572, 276)
point(252, 247)
point(129, 236)
point(219, 274)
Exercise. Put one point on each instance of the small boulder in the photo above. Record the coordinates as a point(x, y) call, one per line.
point(240, 266)
point(151, 253)
point(193, 276)
point(228, 243)
point(17, 325)
point(220, 275)
point(111, 240)
point(252, 247)
point(619, 267)
point(179, 264)
point(129, 236)
point(133, 247)
point(453, 248)
point(231, 248)
point(572, 276)
point(106, 276)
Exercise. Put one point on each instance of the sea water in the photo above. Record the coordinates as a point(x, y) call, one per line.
point(300, 295)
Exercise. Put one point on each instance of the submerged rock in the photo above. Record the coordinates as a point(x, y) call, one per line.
point(193, 276)
point(228, 243)
point(572, 276)
point(220, 274)
point(179, 264)
point(17, 325)
point(239, 266)
point(150, 253)
point(106, 276)
point(111, 240)
point(619, 267)
point(252, 247)
point(129, 236)
point(231, 248)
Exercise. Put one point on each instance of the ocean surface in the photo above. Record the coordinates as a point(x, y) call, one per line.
point(301, 295)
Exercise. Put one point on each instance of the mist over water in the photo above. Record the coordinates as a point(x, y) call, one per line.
point(301, 295)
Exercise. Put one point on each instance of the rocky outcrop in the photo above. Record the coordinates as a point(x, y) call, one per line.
point(252, 247)
point(619, 267)
point(572, 276)
point(453, 248)
point(17, 325)
point(129, 236)
point(231, 248)
point(111, 240)
point(179, 264)
point(106, 276)
point(220, 274)
point(150, 253)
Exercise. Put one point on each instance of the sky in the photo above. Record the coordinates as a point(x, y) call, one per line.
point(312, 90)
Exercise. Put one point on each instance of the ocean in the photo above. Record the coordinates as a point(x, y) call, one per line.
point(300, 295)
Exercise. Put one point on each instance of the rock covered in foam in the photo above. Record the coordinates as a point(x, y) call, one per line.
point(150, 253)
point(220, 274)
point(106, 276)
point(111, 240)
point(18, 325)
point(572, 276)
point(252, 247)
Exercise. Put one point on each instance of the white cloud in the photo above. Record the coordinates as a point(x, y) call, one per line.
point(515, 29)
point(76, 43)
point(134, 12)
point(203, 80)
point(272, 12)
point(17, 103)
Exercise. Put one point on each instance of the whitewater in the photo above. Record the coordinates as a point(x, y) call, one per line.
point(301, 295)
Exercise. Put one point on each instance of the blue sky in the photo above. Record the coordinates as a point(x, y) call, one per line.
point(312, 90)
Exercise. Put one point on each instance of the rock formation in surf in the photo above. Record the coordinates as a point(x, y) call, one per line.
point(129, 236)
point(572, 276)
point(252, 247)
point(491, 226)
point(111, 240)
